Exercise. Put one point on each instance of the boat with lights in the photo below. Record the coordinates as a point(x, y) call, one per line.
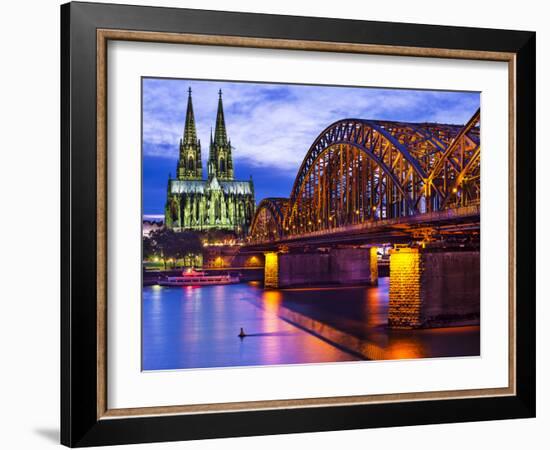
point(192, 277)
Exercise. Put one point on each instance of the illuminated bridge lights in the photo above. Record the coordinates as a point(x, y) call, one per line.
point(360, 171)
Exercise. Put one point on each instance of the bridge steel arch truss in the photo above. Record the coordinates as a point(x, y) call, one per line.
point(267, 224)
point(363, 170)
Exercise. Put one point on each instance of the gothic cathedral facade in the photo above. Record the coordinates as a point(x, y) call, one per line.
point(217, 202)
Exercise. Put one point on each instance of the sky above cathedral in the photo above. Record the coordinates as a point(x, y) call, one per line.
point(271, 126)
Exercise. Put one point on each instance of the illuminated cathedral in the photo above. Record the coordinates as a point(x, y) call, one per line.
point(217, 202)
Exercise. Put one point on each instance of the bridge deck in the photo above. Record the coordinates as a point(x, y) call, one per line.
point(396, 230)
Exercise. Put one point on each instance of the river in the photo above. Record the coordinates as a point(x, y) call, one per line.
point(198, 327)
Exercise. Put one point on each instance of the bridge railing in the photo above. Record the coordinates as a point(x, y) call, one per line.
point(471, 211)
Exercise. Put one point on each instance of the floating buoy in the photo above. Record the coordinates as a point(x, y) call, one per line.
point(242, 333)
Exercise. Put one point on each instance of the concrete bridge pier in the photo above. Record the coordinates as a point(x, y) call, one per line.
point(431, 288)
point(344, 266)
point(271, 269)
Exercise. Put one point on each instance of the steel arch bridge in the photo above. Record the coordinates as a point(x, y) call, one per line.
point(267, 223)
point(360, 171)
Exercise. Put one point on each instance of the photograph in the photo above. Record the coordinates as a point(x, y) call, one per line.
point(304, 224)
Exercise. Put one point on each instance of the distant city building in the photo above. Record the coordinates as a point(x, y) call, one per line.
point(150, 225)
point(217, 202)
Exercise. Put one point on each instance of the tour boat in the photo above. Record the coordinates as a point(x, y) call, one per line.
point(192, 277)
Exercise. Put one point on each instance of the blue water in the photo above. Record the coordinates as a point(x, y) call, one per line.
point(192, 327)
point(198, 327)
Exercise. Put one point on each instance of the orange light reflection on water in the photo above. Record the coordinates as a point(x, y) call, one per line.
point(374, 307)
point(424, 343)
point(271, 302)
point(202, 330)
point(404, 349)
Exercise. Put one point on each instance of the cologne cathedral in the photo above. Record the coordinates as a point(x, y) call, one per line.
point(217, 202)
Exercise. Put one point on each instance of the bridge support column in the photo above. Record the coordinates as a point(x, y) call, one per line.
point(374, 266)
point(339, 266)
point(405, 288)
point(271, 270)
point(433, 288)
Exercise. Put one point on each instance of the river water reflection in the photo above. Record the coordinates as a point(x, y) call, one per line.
point(198, 327)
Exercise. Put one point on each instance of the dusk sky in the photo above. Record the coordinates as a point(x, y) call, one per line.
point(271, 126)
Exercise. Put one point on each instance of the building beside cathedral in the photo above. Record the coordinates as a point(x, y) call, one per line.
point(217, 202)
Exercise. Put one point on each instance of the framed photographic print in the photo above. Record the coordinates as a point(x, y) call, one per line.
point(277, 224)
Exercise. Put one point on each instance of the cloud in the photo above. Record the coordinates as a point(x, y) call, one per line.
point(273, 125)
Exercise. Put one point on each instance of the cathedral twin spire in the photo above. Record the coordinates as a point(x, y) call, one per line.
point(190, 159)
point(190, 132)
point(220, 136)
point(220, 160)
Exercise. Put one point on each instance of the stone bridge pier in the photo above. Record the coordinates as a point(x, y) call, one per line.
point(428, 287)
point(432, 288)
point(345, 266)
